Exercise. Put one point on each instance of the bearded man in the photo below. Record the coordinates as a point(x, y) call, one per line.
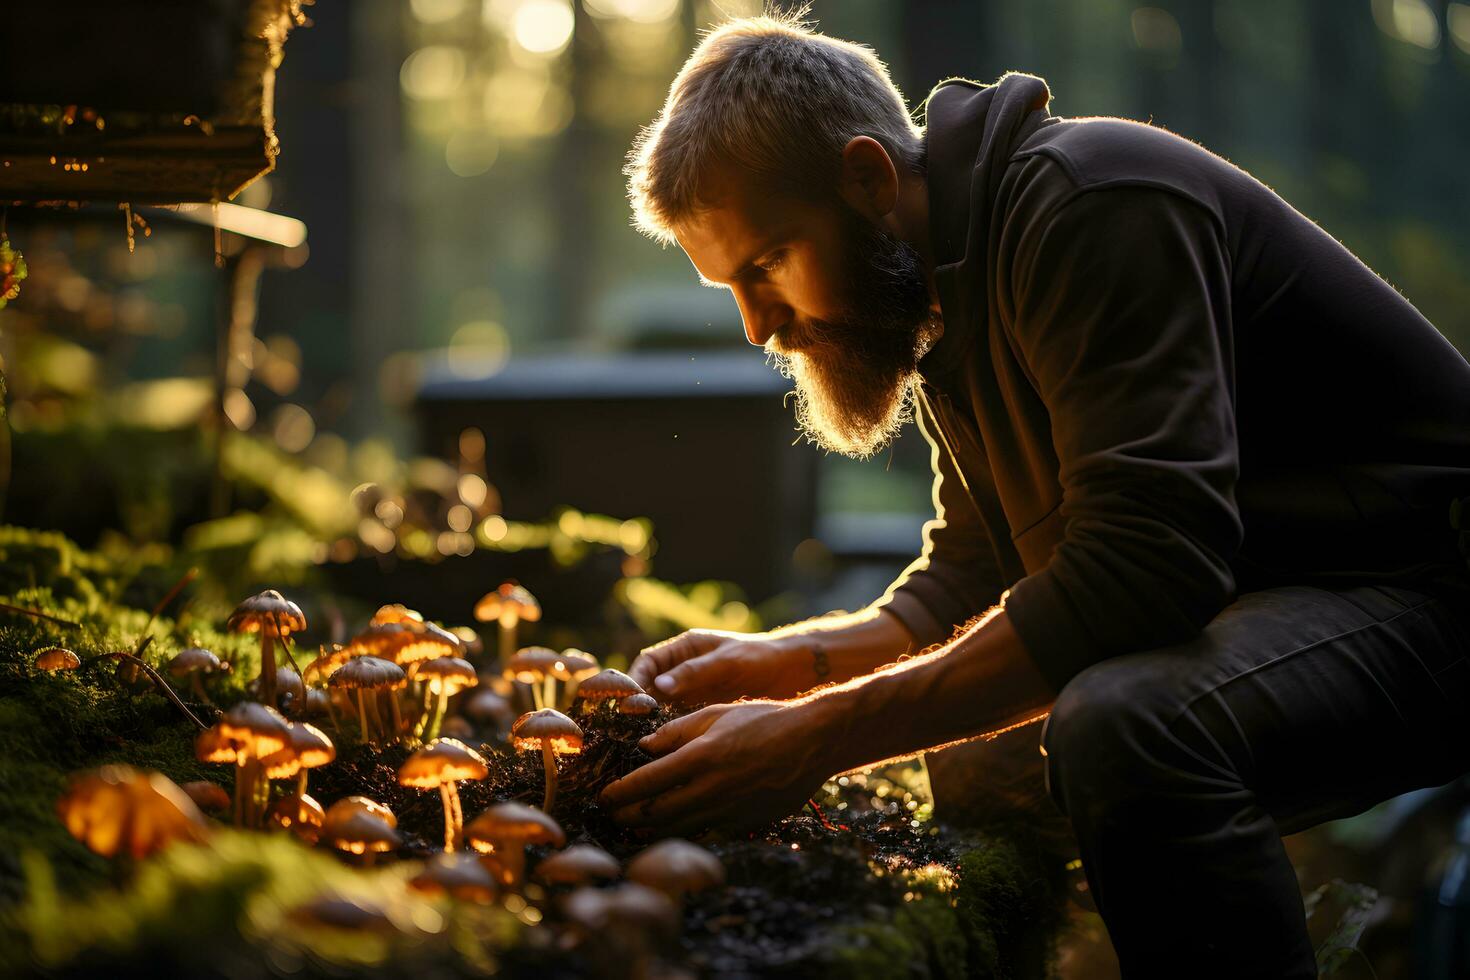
point(1194, 468)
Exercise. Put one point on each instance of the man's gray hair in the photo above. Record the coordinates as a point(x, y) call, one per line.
point(775, 100)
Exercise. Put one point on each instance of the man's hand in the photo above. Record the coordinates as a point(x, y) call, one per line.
point(729, 766)
point(704, 666)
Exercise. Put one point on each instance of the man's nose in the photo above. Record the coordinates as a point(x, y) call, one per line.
point(762, 320)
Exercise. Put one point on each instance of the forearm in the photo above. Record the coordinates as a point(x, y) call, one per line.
point(982, 682)
point(839, 648)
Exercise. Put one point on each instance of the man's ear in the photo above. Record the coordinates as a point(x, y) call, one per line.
point(868, 181)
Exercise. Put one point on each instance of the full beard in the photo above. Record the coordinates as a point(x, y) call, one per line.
point(855, 375)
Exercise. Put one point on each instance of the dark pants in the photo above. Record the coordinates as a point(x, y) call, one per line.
point(1180, 768)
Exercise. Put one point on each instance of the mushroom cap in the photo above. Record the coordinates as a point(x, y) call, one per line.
point(449, 675)
point(574, 665)
point(301, 815)
point(610, 683)
point(382, 640)
point(395, 612)
point(206, 795)
point(328, 662)
point(513, 825)
point(361, 833)
point(118, 809)
point(459, 875)
point(676, 866)
point(335, 912)
point(267, 610)
point(530, 665)
point(638, 704)
point(212, 745)
point(444, 760)
point(430, 643)
point(373, 673)
point(316, 701)
point(56, 658)
point(508, 605)
point(487, 707)
point(456, 727)
point(308, 748)
point(547, 725)
point(469, 640)
point(288, 684)
point(578, 864)
point(625, 906)
point(186, 662)
point(348, 805)
point(257, 727)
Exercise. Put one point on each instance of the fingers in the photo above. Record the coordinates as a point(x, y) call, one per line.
point(662, 656)
point(651, 779)
point(671, 809)
point(705, 678)
point(679, 732)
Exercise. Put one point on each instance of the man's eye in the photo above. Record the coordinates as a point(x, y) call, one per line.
point(773, 261)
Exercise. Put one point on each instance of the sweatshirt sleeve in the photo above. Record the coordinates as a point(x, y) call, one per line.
point(1121, 314)
point(957, 575)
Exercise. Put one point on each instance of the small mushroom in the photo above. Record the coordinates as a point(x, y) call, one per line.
point(460, 876)
point(553, 733)
point(578, 865)
point(308, 748)
point(298, 813)
point(194, 663)
point(440, 765)
point(508, 606)
point(676, 868)
point(361, 833)
point(429, 642)
point(456, 727)
point(506, 829)
point(631, 920)
point(469, 640)
point(207, 796)
point(571, 668)
point(609, 685)
point(441, 677)
point(532, 666)
point(274, 617)
point(346, 807)
point(488, 710)
point(243, 735)
point(367, 674)
point(56, 659)
point(395, 613)
point(120, 810)
point(637, 705)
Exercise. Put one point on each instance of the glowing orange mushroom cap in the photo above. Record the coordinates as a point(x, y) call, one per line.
point(508, 605)
point(268, 610)
point(257, 727)
point(395, 613)
point(447, 674)
point(532, 664)
point(444, 760)
point(373, 673)
point(346, 807)
point(120, 810)
point(459, 876)
point(547, 726)
point(578, 864)
point(56, 658)
point(361, 833)
point(607, 684)
point(513, 825)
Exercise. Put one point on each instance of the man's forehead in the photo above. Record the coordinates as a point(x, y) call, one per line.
point(722, 237)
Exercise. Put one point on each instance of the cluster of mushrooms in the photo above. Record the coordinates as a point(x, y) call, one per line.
point(393, 684)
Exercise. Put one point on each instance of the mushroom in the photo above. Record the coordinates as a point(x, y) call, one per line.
point(243, 735)
point(361, 833)
point(367, 674)
point(469, 640)
point(427, 643)
point(637, 705)
point(440, 765)
point(508, 605)
point(120, 810)
point(344, 808)
point(571, 667)
point(578, 865)
point(298, 813)
point(609, 685)
point(460, 876)
point(532, 666)
point(632, 920)
point(676, 868)
point(395, 612)
point(194, 663)
point(55, 659)
point(505, 829)
point(488, 709)
point(554, 734)
point(206, 795)
point(274, 617)
point(441, 677)
point(456, 727)
point(308, 748)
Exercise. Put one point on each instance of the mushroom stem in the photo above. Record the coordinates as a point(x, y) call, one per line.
point(301, 782)
point(423, 723)
point(458, 811)
point(438, 718)
point(377, 716)
point(397, 716)
point(536, 697)
point(514, 862)
point(548, 696)
point(332, 711)
point(267, 668)
point(446, 790)
point(362, 715)
point(507, 644)
point(237, 810)
point(197, 686)
point(548, 760)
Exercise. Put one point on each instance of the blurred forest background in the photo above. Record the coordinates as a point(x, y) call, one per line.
point(473, 335)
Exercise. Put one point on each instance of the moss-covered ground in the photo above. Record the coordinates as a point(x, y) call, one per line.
point(878, 893)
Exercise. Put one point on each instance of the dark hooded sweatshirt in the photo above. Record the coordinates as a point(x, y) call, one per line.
point(1158, 386)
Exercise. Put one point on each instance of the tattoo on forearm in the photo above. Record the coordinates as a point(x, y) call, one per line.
point(819, 661)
